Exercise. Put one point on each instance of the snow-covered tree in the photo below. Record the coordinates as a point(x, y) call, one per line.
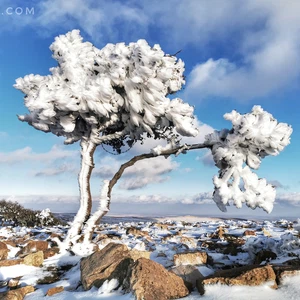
point(112, 95)
point(116, 95)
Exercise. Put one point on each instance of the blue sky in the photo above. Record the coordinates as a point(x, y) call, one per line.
point(237, 54)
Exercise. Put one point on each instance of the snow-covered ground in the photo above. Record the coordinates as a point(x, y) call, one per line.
point(164, 238)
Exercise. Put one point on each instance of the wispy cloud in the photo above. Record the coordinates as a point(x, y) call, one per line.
point(278, 184)
point(26, 154)
point(56, 170)
point(285, 199)
point(206, 159)
point(99, 19)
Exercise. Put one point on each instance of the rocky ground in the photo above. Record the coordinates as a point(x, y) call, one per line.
point(155, 260)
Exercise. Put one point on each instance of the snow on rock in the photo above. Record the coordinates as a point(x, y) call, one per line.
point(161, 242)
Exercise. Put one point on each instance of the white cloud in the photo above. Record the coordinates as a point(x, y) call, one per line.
point(139, 175)
point(207, 159)
point(285, 199)
point(278, 184)
point(99, 19)
point(268, 44)
point(56, 170)
point(26, 154)
point(259, 40)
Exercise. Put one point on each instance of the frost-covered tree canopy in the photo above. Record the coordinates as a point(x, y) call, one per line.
point(252, 137)
point(109, 94)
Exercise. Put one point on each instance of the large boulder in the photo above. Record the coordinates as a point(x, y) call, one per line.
point(247, 275)
point(190, 274)
point(149, 280)
point(3, 251)
point(190, 258)
point(34, 259)
point(111, 262)
point(17, 294)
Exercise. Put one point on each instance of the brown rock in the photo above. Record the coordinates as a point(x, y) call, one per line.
point(110, 262)
point(190, 274)
point(11, 262)
point(249, 232)
point(192, 243)
point(264, 255)
point(286, 271)
point(161, 226)
point(136, 232)
point(248, 275)
point(50, 252)
point(14, 282)
point(191, 258)
point(136, 254)
point(55, 290)
point(9, 242)
point(34, 246)
point(3, 251)
point(17, 294)
point(150, 280)
point(34, 259)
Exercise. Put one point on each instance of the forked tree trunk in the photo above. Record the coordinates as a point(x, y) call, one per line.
point(108, 186)
point(83, 214)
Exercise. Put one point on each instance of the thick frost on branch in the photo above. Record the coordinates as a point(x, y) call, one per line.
point(252, 137)
point(118, 89)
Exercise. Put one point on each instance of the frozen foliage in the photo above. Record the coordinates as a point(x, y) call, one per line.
point(116, 92)
point(253, 136)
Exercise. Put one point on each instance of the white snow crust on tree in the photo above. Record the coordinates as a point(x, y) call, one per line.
point(104, 94)
point(253, 136)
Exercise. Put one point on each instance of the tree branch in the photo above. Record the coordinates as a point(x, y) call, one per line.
point(166, 153)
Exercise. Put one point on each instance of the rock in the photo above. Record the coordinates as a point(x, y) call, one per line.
point(49, 279)
point(190, 242)
point(50, 252)
point(249, 232)
point(247, 275)
point(11, 262)
point(55, 290)
point(283, 271)
point(3, 251)
point(34, 246)
point(161, 226)
point(266, 232)
point(136, 254)
point(264, 255)
point(136, 232)
point(34, 259)
point(14, 282)
point(17, 294)
point(190, 274)
point(150, 280)
point(110, 262)
point(190, 258)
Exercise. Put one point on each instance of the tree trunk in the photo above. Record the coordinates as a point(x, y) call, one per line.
point(108, 185)
point(87, 165)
